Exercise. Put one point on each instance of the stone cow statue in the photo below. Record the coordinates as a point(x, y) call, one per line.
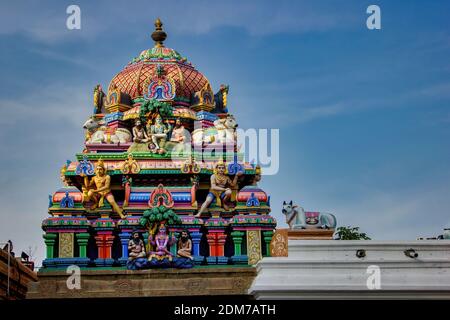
point(297, 218)
point(97, 132)
point(223, 131)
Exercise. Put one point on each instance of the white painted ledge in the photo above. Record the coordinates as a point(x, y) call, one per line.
point(330, 269)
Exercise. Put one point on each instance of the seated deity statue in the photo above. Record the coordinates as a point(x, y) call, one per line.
point(140, 138)
point(161, 241)
point(220, 189)
point(136, 247)
point(158, 133)
point(98, 188)
point(178, 133)
point(185, 245)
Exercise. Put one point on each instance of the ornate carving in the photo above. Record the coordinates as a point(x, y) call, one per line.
point(66, 245)
point(130, 166)
point(160, 197)
point(254, 246)
point(279, 243)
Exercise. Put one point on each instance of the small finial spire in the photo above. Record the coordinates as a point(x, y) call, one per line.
point(159, 35)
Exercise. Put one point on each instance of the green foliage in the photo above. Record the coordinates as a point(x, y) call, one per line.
point(158, 214)
point(350, 233)
point(155, 106)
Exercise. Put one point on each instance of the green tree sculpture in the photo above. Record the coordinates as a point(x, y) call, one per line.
point(350, 233)
point(155, 106)
point(156, 215)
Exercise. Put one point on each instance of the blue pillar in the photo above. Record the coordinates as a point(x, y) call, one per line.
point(196, 238)
point(124, 239)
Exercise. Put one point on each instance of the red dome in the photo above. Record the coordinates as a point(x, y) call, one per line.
point(160, 71)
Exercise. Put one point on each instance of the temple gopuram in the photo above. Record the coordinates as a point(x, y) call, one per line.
point(159, 184)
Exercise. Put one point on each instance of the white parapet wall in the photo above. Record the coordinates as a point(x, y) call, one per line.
point(332, 269)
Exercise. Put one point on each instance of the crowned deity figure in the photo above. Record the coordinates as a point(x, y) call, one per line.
point(161, 241)
point(98, 188)
point(220, 189)
point(158, 133)
point(185, 245)
point(136, 247)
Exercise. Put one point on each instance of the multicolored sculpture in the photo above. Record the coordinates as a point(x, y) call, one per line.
point(144, 192)
point(297, 218)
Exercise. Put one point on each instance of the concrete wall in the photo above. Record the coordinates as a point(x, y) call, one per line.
point(331, 269)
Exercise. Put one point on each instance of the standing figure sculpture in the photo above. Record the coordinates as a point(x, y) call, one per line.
point(220, 189)
point(98, 188)
point(158, 133)
point(185, 245)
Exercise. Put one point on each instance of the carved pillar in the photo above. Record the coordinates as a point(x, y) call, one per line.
point(196, 239)
point(124, 239)
point(82, 240)
point(221, 239)
point(173, 247)
point(104, 240)
point(267, 238)
point(238, 239)
point(212, 242)
point(49, 239)
point(216, 242)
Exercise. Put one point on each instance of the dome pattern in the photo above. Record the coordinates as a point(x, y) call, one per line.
point(161, 73)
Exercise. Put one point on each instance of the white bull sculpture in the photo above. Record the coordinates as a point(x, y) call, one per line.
point(223, 131)
point(97, 133)
point(297, 218)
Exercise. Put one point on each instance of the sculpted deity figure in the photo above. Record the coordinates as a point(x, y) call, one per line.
point(185, 245)
point(158, 133)
point(160, 241)
point(140, 138)
point(178, 132)
point(99, 187)
point(220, 189)
point(136, 247)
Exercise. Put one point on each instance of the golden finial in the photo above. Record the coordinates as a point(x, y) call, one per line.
point(159, 35)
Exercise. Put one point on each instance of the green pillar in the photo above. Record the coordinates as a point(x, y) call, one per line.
point(237, 240)
point(50, 239)
point(267, 238)
point(82, 240)
point(173, 247)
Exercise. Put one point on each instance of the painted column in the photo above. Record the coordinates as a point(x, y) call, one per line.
point(124, 239)
point(82, 240)
point(267, 238)
point(104, 240)
point(173, 247)
point(109, 239)
point(238, 239)
point(221, 239)
point(196, 238)
point(99, 240)
point(50, 239)
point(212, 242)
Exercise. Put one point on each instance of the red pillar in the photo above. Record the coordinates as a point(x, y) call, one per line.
point(104, 243)
point(216, 242)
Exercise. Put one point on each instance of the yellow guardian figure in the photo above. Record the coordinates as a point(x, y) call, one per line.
point(99, 188)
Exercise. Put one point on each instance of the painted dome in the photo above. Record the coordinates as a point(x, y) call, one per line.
point(160, 73)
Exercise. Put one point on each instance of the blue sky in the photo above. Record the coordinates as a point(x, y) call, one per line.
point(364, 116)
